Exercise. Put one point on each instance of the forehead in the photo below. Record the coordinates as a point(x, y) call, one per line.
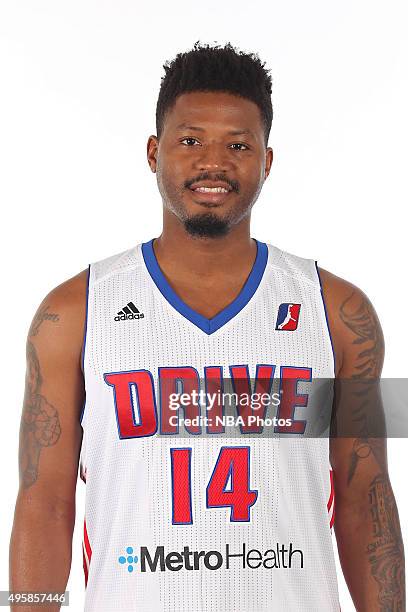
point(209, 110)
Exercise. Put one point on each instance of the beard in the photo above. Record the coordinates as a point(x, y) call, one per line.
point(206, 225)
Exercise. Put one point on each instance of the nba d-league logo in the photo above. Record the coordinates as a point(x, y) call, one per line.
point(288, 317)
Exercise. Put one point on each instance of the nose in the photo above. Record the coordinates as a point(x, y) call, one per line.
point(213, 157)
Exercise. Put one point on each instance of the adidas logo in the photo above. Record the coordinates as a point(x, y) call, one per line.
point(129, 312)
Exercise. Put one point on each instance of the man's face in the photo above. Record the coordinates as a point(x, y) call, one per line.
point(211, 161)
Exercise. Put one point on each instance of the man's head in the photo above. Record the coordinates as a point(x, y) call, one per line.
point(213, 119)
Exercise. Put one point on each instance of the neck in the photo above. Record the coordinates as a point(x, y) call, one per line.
point(182, 256)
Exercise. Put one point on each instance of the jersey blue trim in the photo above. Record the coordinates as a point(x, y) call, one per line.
point(208, 326)
point(327, 319)
point(84, 340)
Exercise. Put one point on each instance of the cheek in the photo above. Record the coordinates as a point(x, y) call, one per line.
point(253, 166)
point(171, 169)
point(169, 183)
point(252, 177)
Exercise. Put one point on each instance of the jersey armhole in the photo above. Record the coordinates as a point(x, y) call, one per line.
point(326, 317)
point(84, 340)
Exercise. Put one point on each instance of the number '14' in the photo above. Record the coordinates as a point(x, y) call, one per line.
point(233, 463)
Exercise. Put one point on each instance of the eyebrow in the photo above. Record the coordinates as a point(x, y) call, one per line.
point(185, 126)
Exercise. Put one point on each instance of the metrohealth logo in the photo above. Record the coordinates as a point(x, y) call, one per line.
point(281, 556)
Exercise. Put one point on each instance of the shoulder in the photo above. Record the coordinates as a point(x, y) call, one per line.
point(289, 264)
point(58, 325)
point(70, 294)
point(354, 326)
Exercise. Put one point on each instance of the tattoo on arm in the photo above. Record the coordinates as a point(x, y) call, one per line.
point(40, 425)
point(386, 551)
point(360, 318)
point(362, 322)
point(42, 315)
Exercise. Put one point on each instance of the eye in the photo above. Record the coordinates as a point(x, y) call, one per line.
point(239, 146)
point(189, 141)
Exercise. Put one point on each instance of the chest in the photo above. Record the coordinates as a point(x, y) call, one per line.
point(283, 324)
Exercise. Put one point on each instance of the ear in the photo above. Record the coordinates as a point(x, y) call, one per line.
point(152, 146)
point(268, 161)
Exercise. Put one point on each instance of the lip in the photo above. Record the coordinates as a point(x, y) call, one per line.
point(210, 198)
point(210, 184)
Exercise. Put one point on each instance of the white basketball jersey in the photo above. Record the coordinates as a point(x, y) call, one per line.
point(185, 514)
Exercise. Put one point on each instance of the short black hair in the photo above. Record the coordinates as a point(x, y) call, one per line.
point(215, 68)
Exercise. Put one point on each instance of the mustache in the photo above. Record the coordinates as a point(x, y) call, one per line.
point(214, 177)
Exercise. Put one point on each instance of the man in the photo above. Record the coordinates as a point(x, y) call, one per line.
point(180, 515)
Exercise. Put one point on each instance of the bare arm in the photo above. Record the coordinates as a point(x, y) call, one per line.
point(49, 446)
point(367, 526)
